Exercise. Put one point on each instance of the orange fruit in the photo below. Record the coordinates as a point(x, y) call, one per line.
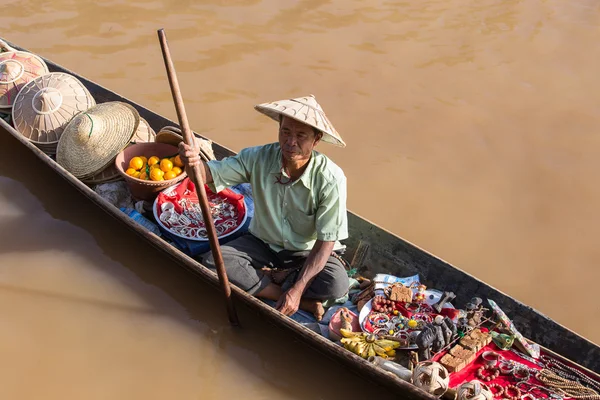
point(144, 159)
point(177, 171)
point(170, 175)
point(166, 165)
point(177, 161)
point(136, 163)
point(143, 176)
point(136, 174)
point(153, 160)
point(130, 171)
point(156, 174)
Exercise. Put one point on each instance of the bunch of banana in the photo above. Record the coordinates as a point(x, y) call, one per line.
point(367, 345)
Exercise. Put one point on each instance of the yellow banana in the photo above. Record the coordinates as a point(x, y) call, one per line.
point(348, 333)
point(380, 351)
point(388, 343)
point(371, 350)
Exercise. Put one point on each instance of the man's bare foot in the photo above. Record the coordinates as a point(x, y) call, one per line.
point(313, 306)
point(277, 276)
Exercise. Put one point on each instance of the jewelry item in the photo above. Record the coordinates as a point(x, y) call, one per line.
point(495, 372)
point(499, 390)
point(566, 387)
point(514, 389)
point(490, 358)
point(521, 374)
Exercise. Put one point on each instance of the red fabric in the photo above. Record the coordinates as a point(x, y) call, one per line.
point(187, 190)
point(468, 373)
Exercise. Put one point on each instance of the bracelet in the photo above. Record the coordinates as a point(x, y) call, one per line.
point(515, 389)
point(378, 320)
point(506, 367)
point(494, 373)
point(521, 374)
point(499, 389)
point(490, 358)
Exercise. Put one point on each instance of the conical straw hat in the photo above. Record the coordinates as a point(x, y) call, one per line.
point(144, 133)
point(16, 69)
point(306, 110)
point(45, 106)
point(95, 137)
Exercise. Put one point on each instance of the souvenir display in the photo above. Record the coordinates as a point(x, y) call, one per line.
point(177, 210)
point(16, 69)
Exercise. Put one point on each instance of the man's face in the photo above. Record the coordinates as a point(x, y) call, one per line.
point(297, 140)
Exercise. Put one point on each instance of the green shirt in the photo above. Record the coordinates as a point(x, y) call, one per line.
point(292, 216)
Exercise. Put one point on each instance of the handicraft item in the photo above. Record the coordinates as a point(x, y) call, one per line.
point(395, 368)
point(46, 105)
point(399, 292)
point(93, 138)
point(531, 349)
point(474, 390)
point(431, 377)
point(17, 68)
point(143, 134)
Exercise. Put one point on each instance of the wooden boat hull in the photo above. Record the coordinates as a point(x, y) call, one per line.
point(387, 253)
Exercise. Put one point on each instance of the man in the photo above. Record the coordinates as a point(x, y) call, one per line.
point(299, 211)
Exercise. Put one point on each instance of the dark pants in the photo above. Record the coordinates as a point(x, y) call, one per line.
point(245, 256)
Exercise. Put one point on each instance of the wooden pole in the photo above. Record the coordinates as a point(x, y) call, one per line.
point(196, 177)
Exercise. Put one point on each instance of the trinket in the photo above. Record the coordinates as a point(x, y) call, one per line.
point(395, 368)
point(565, 387)
point(431, 377)
point(420, 295)
point(497, 390)
point(452, 363)
point(532, 350)
point(474, 390)
point(399, 292)
point(516, 392)
point(425, 340)
point(495, 372)
point(446, 298)
point(490, 358)
point(502, 340)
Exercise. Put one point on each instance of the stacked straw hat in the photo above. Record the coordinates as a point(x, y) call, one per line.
point(143, 134)
point(93, 138)
point(306, 110)
point(45, 105)
point(16, 69)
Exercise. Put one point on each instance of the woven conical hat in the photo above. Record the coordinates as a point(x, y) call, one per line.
point(44, 106)
point(95, 137)
point(306, 110)
point(16, 69)
point(143, 134)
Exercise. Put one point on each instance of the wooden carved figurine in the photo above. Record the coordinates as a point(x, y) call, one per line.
point(446, 298)
point(399, 292)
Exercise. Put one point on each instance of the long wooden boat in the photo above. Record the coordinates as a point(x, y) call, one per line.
point(387, 253)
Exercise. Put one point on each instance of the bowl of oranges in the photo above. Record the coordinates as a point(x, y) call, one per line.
point(149, 168)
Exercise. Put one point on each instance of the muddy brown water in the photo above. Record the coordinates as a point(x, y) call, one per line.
point(472, 131)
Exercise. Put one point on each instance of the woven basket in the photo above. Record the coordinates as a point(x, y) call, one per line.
point(141, 189)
